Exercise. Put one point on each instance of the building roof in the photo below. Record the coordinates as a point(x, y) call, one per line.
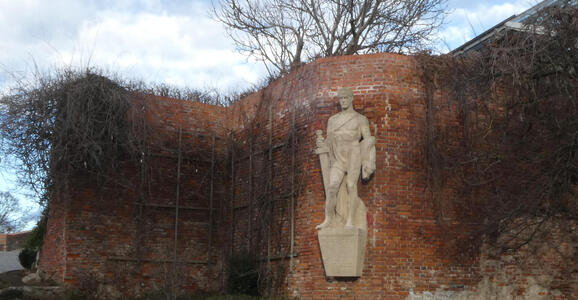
point(514, 22)
point(17, 233)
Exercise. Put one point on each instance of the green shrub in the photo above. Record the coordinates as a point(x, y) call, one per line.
point(72, 295)
point(33, 244)
point(36, 237)
point(11, 294)
point(27, 258)
point(243, 275)
point(235, 297)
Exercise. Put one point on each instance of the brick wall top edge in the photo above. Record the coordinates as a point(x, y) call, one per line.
point(329, 60)
point(220, 114)
point(252, 99)
point(360, 57)
point(186, 102)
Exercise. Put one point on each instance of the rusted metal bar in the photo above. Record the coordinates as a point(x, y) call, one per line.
point(178, 196)
point(250, 226)
point(270, 178)
point(232, 197)
point(211, 200)
point(277, 257)
point(174, 206)
point(292, 202)
point(264, 151)
point(122, 258)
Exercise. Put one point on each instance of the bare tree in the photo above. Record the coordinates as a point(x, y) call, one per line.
point(514, 151)
point(9, 213)
point(284, 33)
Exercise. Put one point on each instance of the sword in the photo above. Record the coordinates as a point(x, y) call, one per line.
point(323, 153)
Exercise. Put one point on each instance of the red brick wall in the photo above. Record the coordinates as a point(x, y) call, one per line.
point(53, 255)
point(403, 250)
point(267, 182)
point(122, 233)
point(3, 238)
point(415, 242)
point(13, 241)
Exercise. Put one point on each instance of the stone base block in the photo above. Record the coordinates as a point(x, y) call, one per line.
point(343, 251)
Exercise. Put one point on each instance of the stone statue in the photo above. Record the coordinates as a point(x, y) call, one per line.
point(346, 153)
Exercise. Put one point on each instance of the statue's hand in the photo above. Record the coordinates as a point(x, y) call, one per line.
point(320, 142)
point(367, 170)
point(365, 173)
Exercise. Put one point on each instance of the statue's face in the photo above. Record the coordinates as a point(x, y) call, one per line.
point(345, 101)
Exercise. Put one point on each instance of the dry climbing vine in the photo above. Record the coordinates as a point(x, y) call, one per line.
point(79, 121)
point(515, 150)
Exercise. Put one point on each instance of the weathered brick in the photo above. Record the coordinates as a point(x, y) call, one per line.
point(408, 251)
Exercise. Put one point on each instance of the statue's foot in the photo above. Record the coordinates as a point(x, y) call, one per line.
point(349, 225)
point(323, 225)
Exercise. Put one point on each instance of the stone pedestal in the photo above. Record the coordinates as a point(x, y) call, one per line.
point(343, 251)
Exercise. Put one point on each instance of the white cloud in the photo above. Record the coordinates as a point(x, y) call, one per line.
point(176, 43)
point(172, 42)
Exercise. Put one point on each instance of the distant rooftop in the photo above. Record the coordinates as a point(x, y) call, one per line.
point(16, 233)
point(13, 241)
point(515, 22)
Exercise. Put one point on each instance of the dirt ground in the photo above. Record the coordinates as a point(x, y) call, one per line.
point(12, 278)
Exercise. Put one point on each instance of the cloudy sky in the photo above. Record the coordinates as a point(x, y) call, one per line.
point(174, 42)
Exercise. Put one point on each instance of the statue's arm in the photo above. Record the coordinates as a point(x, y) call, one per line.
point(322, 144)
point(367, 150)
point(365, 131)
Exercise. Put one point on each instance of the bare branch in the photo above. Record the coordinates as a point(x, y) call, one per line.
point(285, 33)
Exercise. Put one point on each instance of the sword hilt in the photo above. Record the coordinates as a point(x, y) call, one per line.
point(323, 149)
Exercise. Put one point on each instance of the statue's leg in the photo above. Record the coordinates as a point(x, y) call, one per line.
point(335, 178)
point(351, 179)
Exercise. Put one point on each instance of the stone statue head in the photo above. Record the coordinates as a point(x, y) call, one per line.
point(345, 97)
